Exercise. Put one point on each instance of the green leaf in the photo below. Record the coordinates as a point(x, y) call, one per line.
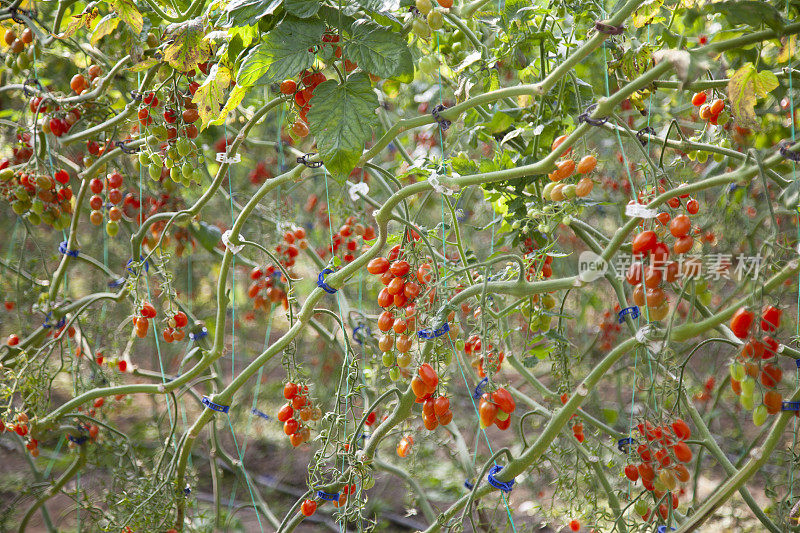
point(646, 12)
point(210, 95)
point(342, 118)
point(187, 48)
point(301, 8)
point(744, 88)
point(283, 53)
point(248, 12)
point(106, 25)
point(207, 234)
point(379, 51)
point(748, 12)
point(127, 11)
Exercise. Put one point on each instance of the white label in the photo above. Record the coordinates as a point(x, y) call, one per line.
point(639, 211)
point(356, 188)
point(222, 157)
point(234, 248)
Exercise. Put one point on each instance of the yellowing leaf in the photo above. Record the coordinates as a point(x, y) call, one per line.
point(789, 49)
point(106, 25)
point(234, 99)
point(744, 88)
point(210, 95)
point(187, 48)
point(646, 12)
point(77, 22)
point(127, 11)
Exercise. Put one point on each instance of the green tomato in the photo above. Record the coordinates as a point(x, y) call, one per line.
point(65, 219)
point(184, 146)
point(748, 386)
point(154, 172)
point(387, 359)
point(186, 170)
point(47, 217)
point(424, 6)
point(760, 415)
point(23, 61)
point(394, 374)
point(144, 158)
point(723, 118)
point(718, 157)
point(34, 218)
point(112, 228)
point(548, 301)
point(197, 176)
point(547, 190)
point(10, 61)
point(460, 345)
point(6, 174)
point(544, 322)
point(421, 29)
point(368, 482)
point(702, 156)
point(37, 206)
point(569, 191)
point(737, 372)
point(21, 194)
point(436, 21)
point(160, 132)
point(175, 174)
point(641, 507)
point(155, 159)
point(705, 298)
point(404, 359)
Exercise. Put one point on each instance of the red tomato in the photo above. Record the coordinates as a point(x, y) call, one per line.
point(644, 242)
point(741, 322)
point(771, 318)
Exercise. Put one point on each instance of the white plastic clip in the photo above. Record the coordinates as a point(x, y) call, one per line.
point(356, 188)
point(226, 240)
point(222, 157)
point(639, 211)
point(433, 179)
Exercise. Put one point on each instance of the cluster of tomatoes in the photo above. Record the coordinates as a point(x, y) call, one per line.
point(175, 130)
point(259, 174)
point(558, 191)
point(609, 329)
point(756, 360)
point(708, 388)
point(113, 182)
point(267, 287)
point(302, 97)
point(663, 457)
point(293, 241)
point(174, 328)
point(79, 83)
point(19, 59)
point(22, 149)
point(474, 347)
point(436, 411)
point(402, 285)
point(714, 112)
point(433, 17)
point(297, 410)
point(41, 198)
point(496, 408)
point(347, 236)
point(536, 261)
point(99, 358)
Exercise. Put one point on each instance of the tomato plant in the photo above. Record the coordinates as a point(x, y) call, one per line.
point(283, 264)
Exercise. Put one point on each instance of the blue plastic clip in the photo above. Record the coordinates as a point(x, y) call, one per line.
point(199, 335)
point(61, 323)
point(78, 440)
point(66, 251)
point(46, 323)
point(357, 332)
point(331, 497)
point(321, 281)
point(187, 491)
point(469, 485)
point(262, 414)
point(215, 406)
point(505, 486)
point(479, 388)
point(790, 406)
point(428, 335)
point(633, 311)
point(797, 362)
point(663, 529)
point(119, 282)
point(146, 265)
point(622, 443)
